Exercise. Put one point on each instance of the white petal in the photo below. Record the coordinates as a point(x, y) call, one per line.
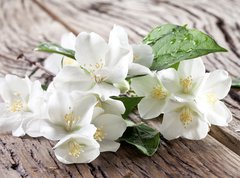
point(59, 105)
point(143, 54)
point(150, 108)
point(218, 114)
point(111, 106)
point(113, 126)
point(170, 80)
point(68, 41)
point(90, 48)
point(53, 63)
point(45, 128)
point(86, 130)
point(118, 47)
point(83, 107)
point(73, 78)
point(138, 69)
point(108, 145)
point(218, 82)
point(194, 68)
point(143, 86)
point(105, 90)
point(89, 153)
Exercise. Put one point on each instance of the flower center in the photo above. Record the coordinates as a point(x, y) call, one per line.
point(136, 57)
point(211, 98)
point(16, 106)
point(70, 119)
point(75, 148)
point(98, 78)
point(67, 61)
point(159, 92)
point(186, 84)
point(99, 135)
point(186, 116)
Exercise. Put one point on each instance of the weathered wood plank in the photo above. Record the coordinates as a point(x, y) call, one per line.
point(140, 16)
point(27, 157)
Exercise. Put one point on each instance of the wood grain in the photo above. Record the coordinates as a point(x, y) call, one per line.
point(23, 24)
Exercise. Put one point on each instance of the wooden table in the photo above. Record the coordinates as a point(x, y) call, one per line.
point(25, 23)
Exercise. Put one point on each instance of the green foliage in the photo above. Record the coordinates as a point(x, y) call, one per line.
point(172, 44)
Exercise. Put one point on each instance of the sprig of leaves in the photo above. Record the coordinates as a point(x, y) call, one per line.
point(172, 44)
point(55, 48)
point(143, 137)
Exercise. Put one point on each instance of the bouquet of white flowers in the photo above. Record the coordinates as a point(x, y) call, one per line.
point(97, 84)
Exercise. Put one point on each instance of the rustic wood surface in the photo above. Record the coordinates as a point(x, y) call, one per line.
point(25, 23)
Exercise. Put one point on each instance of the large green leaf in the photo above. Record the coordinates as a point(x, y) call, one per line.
point(54, 48)
point(129, 102)
point(143, 137)
point(172, 44)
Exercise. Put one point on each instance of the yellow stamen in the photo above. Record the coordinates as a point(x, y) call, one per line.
point(186, 116)
point(211, 98)
point(16, 106)
point(68, 61)
point(70, 119)
point(75, 148)
point(99, 134)
point(159, 92)
point(186, 84)
point(136, 57)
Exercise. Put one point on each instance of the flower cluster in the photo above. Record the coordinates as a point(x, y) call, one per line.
point(188, 98)
point(78, 110)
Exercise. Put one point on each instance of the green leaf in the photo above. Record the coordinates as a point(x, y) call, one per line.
point(129, 102)
point(54, 48)
point(172, 44)
point(143, 137)
point(236, 83)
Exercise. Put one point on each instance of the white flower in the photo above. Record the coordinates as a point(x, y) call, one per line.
point(56, 61)
point(109, 128)
point(142, 60)
point(77, 148)
point(184, 120)
point(23, 101)
point(156, 96)
point(68, 113)
point(102, 65)
point(214, 88)
point(186, 81)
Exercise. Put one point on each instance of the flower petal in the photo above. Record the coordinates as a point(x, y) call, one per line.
point(150, 107)
point(90, 48)
point(73, 78)
point(218, 114)
point(194, 68)
point(143, 54)
point(113, 126)
point(89, 153)
point(105, 90)
point(108, 145)
point(170, 80)
point(119, 49)
point(45, 128)
point(138, 69)
point(53, 63)
point(111, 106)
point(68, 41)
point(217, 82)
point(59, 105)
point(143, 86)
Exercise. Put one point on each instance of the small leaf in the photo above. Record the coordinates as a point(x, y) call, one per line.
point(54, 48)
point(172, 44)
point(143, 137)
point(236, 83)
point(129, 102)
